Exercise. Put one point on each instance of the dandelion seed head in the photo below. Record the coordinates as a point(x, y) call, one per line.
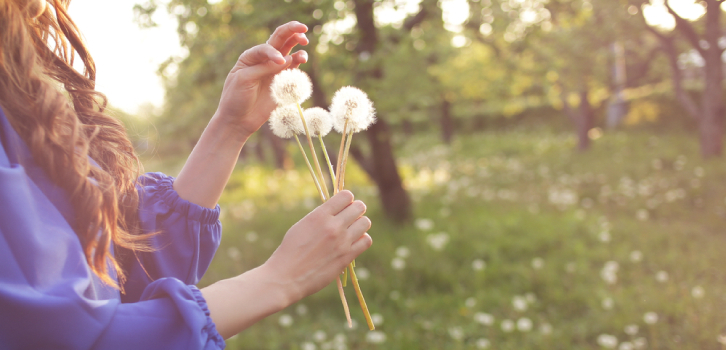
point(376, 337)
point(698, 292)
point(626, 345)
point(507, 326)
point(285, 122)
point(318, 120)
point(483, 343)
point(519, 303)
point(319, 336)
point(301, 309)
point(640, 343)
point(608, 303)
point(285, 320)
point(470, 302)
point(650, 317)
point(398, 263)
point(484, 318)
point(537, 263)
point(456, 333)
point(478, 265)
point(524, 324)
point(377, 319)
point(290, 87)
point(362, 273)
point(545, 329)
point(607, 341)
point(403, 251)
point(661, 276)
point(308, 346)
point(636, 256)
point(352, 105)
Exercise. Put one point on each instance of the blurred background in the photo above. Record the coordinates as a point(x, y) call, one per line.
point(545, 174)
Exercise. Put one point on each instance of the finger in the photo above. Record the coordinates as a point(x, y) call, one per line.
point(360, 245)
point(260, 71)
point(351, 213)
point(359, 227)
point(296, 39)
point(284, 32)
point(261, 54)
point(299, 57)
point(337, 203)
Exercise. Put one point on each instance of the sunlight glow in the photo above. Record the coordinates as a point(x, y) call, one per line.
point(657, 15)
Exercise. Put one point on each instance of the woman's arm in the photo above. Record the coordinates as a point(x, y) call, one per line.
point(244, 106)
point(314, 251)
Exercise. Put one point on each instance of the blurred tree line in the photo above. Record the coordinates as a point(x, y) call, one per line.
point(458, 65)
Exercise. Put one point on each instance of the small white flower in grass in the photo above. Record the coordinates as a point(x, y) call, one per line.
point(484, 318)
point(470, 302)
point(285, 122)
point(483, 343)
point(319, 336)
point(608, 303)
point(524, 324)
point(291, 86)
point(607, 341)
point(642, 215)
point(478, 264)
point(530, 297)
point(636, 256)
point(626, 345)
point(456, 333)
point(604, 236)
point(362, 273)
point(698, 292)
point(424, 224)
point(650, 317)
point(319, 121)
point(376, 337)
point(403, 252)
point(640, 343)
point(251, 236)
point(340, 338)
point(537, 263)
point(301, 309)
point(661, 276)
point(285, 320)
point(398, 263)
point(507, 326)
point(438, 241)
point(394, 295)
point(377, 319)
point(545, 329)
point(352, 105)
point(631, 329)
point(308, 346)
point(519, 303)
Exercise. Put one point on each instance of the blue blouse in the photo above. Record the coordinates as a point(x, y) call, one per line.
point(50, 298)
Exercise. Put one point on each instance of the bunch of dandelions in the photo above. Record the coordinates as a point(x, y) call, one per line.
point(351, 112)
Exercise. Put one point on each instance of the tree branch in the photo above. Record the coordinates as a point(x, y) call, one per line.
point(687, 30)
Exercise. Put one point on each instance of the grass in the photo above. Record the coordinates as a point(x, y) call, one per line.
point(510, 225)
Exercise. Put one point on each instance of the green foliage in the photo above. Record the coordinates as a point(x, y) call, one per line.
point(542, 221)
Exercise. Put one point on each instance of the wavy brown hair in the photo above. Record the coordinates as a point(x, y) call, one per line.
point(63, 120)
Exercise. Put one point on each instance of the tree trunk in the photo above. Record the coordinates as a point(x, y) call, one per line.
point(282, 158)
point(711, 121)
point(584, 122)
point(617, 108)
point(394, 198)
point(447, 123)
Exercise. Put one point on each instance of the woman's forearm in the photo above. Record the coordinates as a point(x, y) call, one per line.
point(239, 302)
point(209, 166)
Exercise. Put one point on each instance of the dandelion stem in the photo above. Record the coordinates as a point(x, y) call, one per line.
point(341, 177)
point(345, 276)
point(330, 165)
point(310, 167)
point(318, 170)
point(362, 301)
point(345, 304)
point(336, 188)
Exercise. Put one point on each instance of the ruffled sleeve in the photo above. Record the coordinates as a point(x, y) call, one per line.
point(187, 236)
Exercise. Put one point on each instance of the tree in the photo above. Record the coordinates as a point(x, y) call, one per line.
point(710, 114)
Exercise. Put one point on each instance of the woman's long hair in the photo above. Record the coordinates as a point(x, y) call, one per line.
point(62, 119)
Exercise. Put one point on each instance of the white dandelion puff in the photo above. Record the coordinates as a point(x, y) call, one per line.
point(352, 105)
point(661, 276)
point(376, 337)
point(484, 318)
point(524, 324)
point(519, 303)
point(607, 341)
point(285, 122)
point(626, 345)
point(478, 265)
point(545, 329)
point(631, 329)
point(318, 120)
point(507, 326)
point(285, 320)
point(470, 302)
point(320, 336)
point(483, 343)
point(650, 317)
point(291, 86)
point(403, 251)
point(398, 263)
point(456, 333)
point(608, 303)
point(698, 292)
point(377, 319)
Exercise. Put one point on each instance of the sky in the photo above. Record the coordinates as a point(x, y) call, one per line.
point(127, 57)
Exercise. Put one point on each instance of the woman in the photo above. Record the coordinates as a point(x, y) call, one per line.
point(92, 256)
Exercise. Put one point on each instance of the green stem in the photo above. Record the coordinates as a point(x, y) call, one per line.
point(310, 167)
point(362, 301)
point(336, 186)
point(330, 165)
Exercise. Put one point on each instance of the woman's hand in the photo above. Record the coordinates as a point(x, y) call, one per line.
point(317, 248)
point(313, 252)
point(246, 102)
